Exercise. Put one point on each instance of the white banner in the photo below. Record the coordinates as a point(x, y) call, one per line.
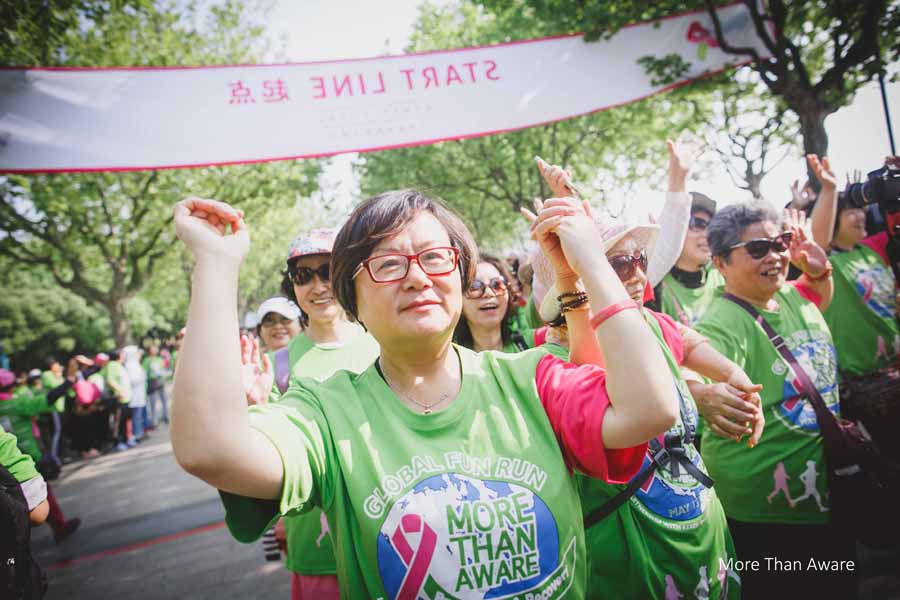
point(90, 119)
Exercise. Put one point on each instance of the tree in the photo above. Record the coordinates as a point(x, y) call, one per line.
point(102, 237)
point(822, 50)
point(750, 132)
point(488, 179)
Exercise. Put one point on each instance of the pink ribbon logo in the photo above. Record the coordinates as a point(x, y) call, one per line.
point(698, 34)
point(417, 560)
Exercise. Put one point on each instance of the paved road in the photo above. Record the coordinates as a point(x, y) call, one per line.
point(150, 531)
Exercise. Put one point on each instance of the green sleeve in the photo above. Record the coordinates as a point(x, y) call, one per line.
point(26, 406)
point(20, 465)
point(296, 427)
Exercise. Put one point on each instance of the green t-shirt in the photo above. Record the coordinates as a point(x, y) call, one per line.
point(670, 539)
point(19, 464)
point(687, 305)
point(153, 367)
point(114, 372)
point(862, 312)
point(50, 380)
point(24, 405)
point(783, 479)
point(310, 550)
point(472, 501)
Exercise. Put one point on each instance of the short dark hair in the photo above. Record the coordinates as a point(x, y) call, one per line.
point(729, 223)
point(463, 335)
point(384, 216)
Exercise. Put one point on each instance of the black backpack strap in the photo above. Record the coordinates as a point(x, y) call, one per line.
point(613, 504)
point(519, 340)
point(672, 452)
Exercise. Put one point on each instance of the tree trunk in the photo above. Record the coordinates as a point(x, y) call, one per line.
point(121, 328)
point(815, 138)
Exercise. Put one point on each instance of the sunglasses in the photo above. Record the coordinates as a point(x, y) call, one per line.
point(698, 224)
point(477, 288)
point(303, 275)
point(760, 247)
point(626, 265)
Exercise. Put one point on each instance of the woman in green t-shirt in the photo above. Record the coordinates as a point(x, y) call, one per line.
point(776, 498)
point(441, 471)
point(488, 312)
point(665, 533)
point(328, 343)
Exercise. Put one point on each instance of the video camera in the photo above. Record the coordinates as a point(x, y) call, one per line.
point(882, 187)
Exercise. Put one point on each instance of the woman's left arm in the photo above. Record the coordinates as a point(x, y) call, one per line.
point(732, 403)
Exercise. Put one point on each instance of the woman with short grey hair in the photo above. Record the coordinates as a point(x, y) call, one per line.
point(776, 498)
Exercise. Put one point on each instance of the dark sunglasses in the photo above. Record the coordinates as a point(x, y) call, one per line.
point(625, 265)
point(477, 288)
point(760, 247)
point(303, 275)
point(698, 224)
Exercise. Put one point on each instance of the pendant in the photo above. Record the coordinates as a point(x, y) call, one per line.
point(427, 411)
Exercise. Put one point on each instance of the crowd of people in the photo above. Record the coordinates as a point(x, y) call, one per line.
point(108, 403)
point(625, 412)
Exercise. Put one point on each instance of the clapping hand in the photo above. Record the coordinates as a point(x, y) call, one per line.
point(572, 216)
point(257, 374)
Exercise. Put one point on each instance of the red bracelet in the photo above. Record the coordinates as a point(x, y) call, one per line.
point(611, 310)
point(823, 275)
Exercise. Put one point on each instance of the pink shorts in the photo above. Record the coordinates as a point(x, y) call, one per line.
point(314, 587)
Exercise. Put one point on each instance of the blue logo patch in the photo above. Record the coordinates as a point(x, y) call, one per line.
point(455, 536)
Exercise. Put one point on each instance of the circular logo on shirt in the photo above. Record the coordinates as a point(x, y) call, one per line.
point(454, 536)
point(816, 354)
point(875, 285)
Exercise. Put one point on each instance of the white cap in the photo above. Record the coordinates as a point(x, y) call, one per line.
point(280, 305)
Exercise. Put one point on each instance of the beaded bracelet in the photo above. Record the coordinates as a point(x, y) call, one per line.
point(574, 305)
point(575, 294)
point(569, 305)
point(611, 310)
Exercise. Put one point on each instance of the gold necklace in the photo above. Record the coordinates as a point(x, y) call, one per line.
point(427, 407)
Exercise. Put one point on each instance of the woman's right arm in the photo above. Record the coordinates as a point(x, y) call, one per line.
point(211, 433)
point(824, 212)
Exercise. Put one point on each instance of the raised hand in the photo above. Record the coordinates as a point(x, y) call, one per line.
point(542, 232)
point(257, 374)
point(558, 179)
point(203, 225)
point(682, 156)
point(806, 254)
point(822, 171)
point(801, 197)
